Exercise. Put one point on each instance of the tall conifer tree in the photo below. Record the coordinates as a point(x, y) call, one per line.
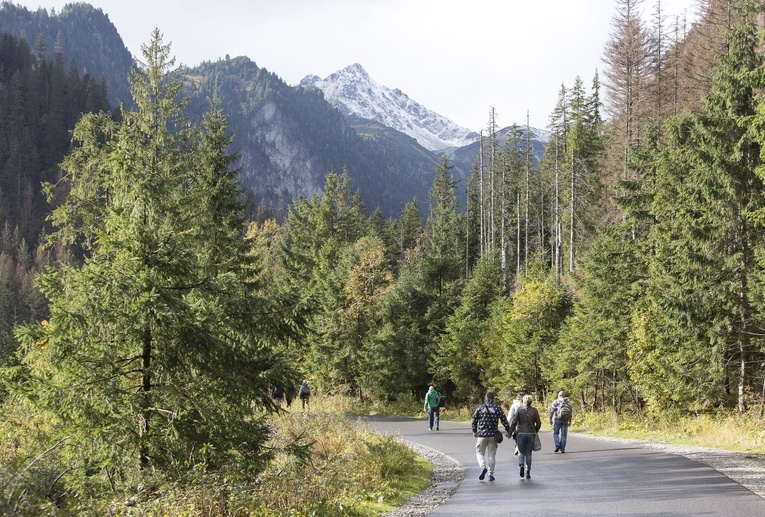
point(161, 347)
point(704, 276)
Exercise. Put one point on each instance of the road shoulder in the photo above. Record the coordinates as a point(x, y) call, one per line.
point(746, 469)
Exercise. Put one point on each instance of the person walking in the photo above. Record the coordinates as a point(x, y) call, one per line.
point(561, 413)
point(517, 403)
point(432, 399)
point(278, 395)
point(526, 423)
point(485, 424)
point(289, 394)
point(304, 392)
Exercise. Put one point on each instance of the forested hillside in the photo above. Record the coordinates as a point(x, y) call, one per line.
point(626, 266)
point(81, 33)
point(288, 138)
point(40, 102)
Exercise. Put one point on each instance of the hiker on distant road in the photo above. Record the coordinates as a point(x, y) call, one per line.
point(561, 413)
point(432, 407)
point(485, 423)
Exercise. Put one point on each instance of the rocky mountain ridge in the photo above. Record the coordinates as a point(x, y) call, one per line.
point(354, 92)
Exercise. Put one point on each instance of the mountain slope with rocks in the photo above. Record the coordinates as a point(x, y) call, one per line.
point(354, 92)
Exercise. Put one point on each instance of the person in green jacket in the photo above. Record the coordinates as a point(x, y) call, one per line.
point(432, 398)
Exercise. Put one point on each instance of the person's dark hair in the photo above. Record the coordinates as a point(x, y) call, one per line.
point(490, 395)
point(562, 394)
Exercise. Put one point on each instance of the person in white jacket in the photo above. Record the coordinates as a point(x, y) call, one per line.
point(518, 402)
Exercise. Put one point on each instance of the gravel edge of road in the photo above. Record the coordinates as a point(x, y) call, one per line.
point(746, 469)
point(447, 476)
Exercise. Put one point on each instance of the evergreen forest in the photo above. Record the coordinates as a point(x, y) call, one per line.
point(144, 318)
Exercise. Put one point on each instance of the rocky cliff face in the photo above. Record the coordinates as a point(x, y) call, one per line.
point(277, 161)
point(290, 137)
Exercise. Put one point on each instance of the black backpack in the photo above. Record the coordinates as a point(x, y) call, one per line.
point(441, 399)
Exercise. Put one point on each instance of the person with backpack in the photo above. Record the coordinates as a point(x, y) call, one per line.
point(561, 412)
point(485, 425)
point(526, 424)
point(304, 393)
point(433, 407)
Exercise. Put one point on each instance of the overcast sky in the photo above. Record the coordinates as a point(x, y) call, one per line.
point(458, 58)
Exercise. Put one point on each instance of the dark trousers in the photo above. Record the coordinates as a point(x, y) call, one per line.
point(525, 448)
point(433, 417)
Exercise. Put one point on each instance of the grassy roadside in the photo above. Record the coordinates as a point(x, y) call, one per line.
point(727, 431)
point(324, 463)
point(351, 470)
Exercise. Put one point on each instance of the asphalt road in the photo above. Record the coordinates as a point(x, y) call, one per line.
point(594, 477)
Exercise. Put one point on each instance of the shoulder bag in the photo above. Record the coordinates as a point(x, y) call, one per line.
point(497, 434)
point(537, 442)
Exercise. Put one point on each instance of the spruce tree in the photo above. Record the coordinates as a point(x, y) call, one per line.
point(161, 346)
point(463, 356)
point(591, 357)
point(704, 276)
point(443, 253)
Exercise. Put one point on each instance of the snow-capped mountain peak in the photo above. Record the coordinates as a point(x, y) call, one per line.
point(353, 92)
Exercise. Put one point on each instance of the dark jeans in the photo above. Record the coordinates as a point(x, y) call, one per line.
point(525, 448)
point(433, 416)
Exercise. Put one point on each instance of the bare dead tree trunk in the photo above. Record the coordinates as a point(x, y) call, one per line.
point(518, 233)
point(528, 195)
point(481, 198)
point(467, 236)
point(144, 417)
point(493, 177)
point(503, 229)
point(571, 245)
point(558, 225)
